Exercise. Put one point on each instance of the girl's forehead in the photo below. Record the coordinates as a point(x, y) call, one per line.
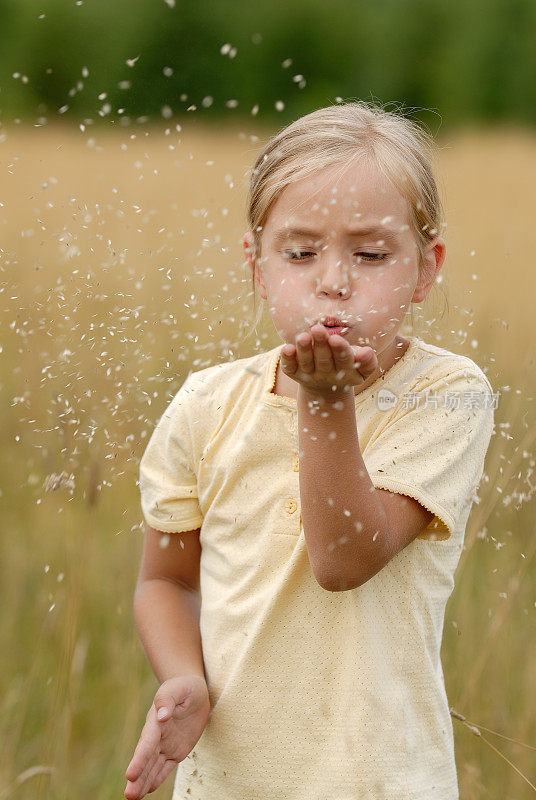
point(359, 190)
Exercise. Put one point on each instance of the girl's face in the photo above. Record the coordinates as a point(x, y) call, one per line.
point(340, 246)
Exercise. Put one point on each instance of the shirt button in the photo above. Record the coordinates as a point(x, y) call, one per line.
point(296, 464)
point(290, 505)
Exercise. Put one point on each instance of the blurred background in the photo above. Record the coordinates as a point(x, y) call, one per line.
point(127, 130)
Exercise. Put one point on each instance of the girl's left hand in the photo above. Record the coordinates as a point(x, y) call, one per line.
point(319, 361)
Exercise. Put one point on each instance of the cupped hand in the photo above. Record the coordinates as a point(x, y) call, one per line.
point(174, 724)
point(319, 361)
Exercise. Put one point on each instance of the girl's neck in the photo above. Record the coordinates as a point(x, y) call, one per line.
point(286, 387)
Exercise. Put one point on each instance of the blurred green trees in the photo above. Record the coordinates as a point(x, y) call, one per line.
point(469, 61)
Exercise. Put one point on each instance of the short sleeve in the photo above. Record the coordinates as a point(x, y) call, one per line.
point(433, 448)
point(168, 483)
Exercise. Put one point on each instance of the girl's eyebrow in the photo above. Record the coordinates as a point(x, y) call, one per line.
point(284, 234)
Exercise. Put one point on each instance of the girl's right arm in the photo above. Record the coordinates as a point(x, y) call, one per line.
point(167, 603)
point(166, 608)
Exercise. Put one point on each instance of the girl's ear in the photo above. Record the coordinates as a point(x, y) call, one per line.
point(248, 243)
point(433, 261)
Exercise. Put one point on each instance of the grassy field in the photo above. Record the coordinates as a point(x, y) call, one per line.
point(121, 269)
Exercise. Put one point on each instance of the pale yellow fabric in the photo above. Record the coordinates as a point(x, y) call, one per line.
point(318, 695)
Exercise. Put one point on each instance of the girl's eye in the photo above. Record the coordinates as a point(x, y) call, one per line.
point(371, 257)
point(302, 255)
point(297, 255)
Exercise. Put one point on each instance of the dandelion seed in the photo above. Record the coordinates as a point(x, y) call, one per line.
point(286, 63)
point(170, 3)
point(207, 101)
point(38, 770)
point(164, 541)
point(54, 482)
point(279, 105)
point(255, 110)
point(131, 61)
point(346, 512)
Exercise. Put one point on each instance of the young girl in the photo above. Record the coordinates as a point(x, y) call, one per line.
point(306, 507)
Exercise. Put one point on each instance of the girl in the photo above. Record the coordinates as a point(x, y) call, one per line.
point(306, 507)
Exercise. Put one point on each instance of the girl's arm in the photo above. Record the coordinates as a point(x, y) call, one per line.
point(167, 603)
point(344, 520)
point(351, 528)
point(166, 608)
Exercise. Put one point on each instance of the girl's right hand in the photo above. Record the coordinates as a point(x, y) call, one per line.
point(174, 725)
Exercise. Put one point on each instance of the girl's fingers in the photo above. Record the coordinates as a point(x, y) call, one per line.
point(323, 358)
point(148, 741)
point(366, 362)
point(152, 773)
point(161, 776)
point(342, 352)
point(139, 762)
point(304, 353)
point(289, 363)
point(319, 352)
point(141, 783)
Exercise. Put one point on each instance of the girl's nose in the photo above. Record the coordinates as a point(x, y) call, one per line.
point(334, 279)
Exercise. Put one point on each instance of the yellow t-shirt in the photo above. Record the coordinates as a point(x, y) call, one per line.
point(319, 695)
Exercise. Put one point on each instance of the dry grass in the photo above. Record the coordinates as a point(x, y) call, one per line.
point(120, 271)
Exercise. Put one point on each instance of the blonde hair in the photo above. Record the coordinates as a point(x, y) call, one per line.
point(400, 148)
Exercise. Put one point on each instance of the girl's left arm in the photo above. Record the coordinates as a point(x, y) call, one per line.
point(351, 528)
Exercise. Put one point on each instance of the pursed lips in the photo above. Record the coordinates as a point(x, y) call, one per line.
point(335, 325)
